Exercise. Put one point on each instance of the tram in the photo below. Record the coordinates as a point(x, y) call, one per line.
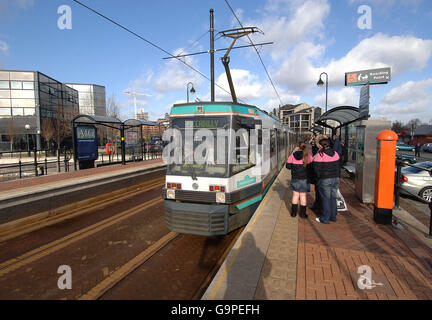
point(216, 197)
point(244, 147)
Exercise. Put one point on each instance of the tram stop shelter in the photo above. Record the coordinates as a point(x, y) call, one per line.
point(358, 133)
point(89, 122)
point(131, 137)
point(343, 115)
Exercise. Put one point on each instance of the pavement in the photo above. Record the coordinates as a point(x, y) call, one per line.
point(278, 257)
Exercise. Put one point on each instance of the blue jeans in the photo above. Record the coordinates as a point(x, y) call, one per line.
point(328, 189)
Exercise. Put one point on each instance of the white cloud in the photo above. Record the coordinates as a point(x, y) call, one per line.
point(247, 85)
point(336, 98)
point(411, 99)
point(287, 23)
point(173, 76)
point(401, 53)
point(4, 48)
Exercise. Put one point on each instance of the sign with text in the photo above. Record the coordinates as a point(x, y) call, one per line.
point(373, 76)
point(131, 138)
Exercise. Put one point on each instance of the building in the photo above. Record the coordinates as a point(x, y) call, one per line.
point(141, 115)
point(422, 135)
point(34, 108)
point(92, 99)
point(300, 117)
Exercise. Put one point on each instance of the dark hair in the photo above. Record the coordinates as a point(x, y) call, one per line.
point(302, 146)
point(325, 144)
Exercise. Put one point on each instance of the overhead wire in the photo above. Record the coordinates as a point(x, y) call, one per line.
point(149, 42)
point(262, 62)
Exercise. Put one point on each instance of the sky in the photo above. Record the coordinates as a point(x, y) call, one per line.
point(309, 37)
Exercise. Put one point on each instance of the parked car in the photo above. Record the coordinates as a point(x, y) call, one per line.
point(417, 181)
point(427, 147)
point(406, 158)
point(404, 146)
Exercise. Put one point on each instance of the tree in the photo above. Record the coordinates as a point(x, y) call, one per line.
point(112, 110)
point(48, 130)
point(11, 132)
point(398, 126)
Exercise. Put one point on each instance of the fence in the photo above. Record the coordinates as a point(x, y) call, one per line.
point(399, 187)
point(42, 162)
point(34, 163)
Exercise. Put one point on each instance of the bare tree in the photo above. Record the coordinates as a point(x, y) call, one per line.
point(113, 110)
point(48, 130)
point(11, 132)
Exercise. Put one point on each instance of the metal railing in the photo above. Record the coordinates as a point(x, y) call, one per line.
point(34, 163)
point(398, 187)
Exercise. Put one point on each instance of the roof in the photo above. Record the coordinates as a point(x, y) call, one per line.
point(90, 119)
point(137, 123)
point(423, 130)
point(344, 115)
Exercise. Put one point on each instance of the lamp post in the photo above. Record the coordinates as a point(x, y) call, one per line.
point(320, 83)
point(192, 90)
point(27, 128)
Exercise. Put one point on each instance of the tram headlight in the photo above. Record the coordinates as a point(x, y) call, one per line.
point(170, 194)
point(220, 197)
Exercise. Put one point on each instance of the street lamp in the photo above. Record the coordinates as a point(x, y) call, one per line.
point(27, 128)
point(321, 83)
point(192, 90)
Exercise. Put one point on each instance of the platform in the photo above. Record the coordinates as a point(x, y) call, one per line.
point(278, 257)
point(20, 199)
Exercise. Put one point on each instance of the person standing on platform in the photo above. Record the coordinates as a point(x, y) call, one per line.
point(337, 145)
point(417, 150)
point(317, 206)
point(326, 166)
point(299, 162)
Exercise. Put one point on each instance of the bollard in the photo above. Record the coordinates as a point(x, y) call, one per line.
point(384, 177)
point(46, 167)
point(20, 169)
point(430, 221)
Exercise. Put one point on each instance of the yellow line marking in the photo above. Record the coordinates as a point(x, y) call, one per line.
point(126, 269)
point(41, 220)
point(56, 245)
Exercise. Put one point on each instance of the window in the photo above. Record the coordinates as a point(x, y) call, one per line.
point(4, 84)
point(244, 150)
point(5, 103)
point(305, 117)
point(16, 85)
point(29, 111)
point(272, 143)
point(28, 85)
point(5, 111)
point(18, 112)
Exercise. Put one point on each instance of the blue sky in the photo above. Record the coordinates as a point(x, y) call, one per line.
point(309, 37)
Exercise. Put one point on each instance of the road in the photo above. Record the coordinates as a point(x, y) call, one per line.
point(117, 249)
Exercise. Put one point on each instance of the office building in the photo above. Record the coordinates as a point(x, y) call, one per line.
point(31, 105)
point(91, 98)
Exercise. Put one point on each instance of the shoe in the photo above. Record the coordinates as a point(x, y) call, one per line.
point(303, 212)
point(294, 210)
point(318, 220)
point(333, 220)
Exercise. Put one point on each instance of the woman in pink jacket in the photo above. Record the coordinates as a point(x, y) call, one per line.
point(299, 162)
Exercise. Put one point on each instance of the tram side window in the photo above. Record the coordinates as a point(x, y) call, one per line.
point(272, 143)
point(244, 150)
